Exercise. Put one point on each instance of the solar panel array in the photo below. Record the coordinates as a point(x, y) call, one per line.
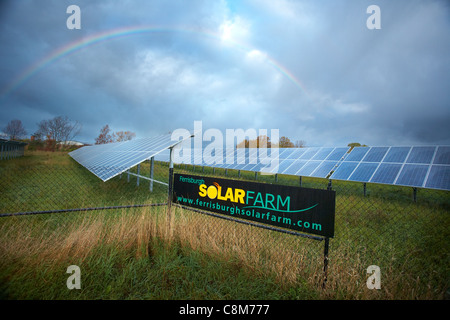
point(415, 166)
point(314, 162)
point(108, 160)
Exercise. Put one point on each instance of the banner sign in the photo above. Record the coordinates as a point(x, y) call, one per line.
point(295, 208)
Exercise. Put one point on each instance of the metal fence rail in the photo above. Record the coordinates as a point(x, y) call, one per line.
point(11, 149)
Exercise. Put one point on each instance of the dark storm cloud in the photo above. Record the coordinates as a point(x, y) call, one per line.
point(311, 69)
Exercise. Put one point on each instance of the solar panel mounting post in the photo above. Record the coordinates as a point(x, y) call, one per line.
point(169, 200)
point(138, 174)
point(152, 163)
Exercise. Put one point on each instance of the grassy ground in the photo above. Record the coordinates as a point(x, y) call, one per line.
point(145, 253)
point(52, 180)
point(126, 254)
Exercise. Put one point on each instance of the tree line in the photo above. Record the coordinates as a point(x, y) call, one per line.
point(58, 133)
point(263, 141)
point(106, 136)
point(51, 134)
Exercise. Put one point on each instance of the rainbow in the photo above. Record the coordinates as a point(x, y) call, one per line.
point(128, 31)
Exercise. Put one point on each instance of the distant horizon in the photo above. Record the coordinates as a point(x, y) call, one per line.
point(236, 145)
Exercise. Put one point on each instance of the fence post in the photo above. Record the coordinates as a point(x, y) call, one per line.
point(138, 173)
point(169, 200)
point(152, 164)
point(329, 186)
point(325, 250)
point(325, 262)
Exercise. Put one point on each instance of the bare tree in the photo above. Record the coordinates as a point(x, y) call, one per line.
point(15, 130)
point(104, 136)
point(59, 129)
point(119, 136)
point(124, 135)
point(300, 143)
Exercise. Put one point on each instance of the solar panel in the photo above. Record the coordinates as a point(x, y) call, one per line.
point(283, 166)
point(295, 154)
point(363, 172)
point(344, 170)
point(421, 155)
point(285, 153)
point(309, 153)
point(308, 168)
point(337, 154)
point(295, 167)
point(163, 156)
point(197, 157)
point(417, 166)
point(442, 155)
point(375, 154)
point(108, 160)
point(386, 173)
point(397, 154)
point(237, 166)
point(439, 177)
point(412, 175)
point(255, 167)
point(357, 154)
point(323, 169)
point(322, 154)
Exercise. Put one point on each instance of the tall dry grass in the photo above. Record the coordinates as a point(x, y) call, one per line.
point(59, 240)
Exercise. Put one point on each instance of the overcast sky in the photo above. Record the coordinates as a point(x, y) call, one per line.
point(312, 69)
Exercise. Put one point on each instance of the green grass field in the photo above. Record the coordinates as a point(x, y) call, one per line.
point(145, 253)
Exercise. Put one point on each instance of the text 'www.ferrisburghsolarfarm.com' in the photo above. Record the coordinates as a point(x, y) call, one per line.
point(250, 212)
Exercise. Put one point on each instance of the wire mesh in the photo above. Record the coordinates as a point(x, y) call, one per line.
point(403, 231)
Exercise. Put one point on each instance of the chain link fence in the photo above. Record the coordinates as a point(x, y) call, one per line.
point(401, 230)
point(404, 233)
point(48, 181)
